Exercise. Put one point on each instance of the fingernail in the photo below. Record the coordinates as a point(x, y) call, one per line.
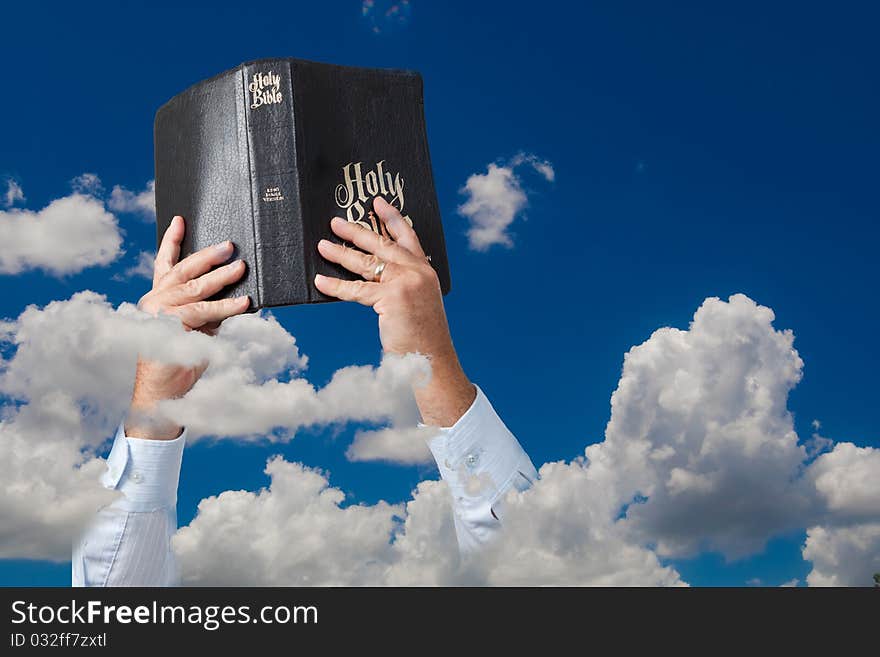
point(319, 278)
point(223, 246)
point(243, 299)
point(176, 217)
point(336, 219)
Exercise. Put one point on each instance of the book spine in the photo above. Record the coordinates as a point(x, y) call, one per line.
point(275, 194)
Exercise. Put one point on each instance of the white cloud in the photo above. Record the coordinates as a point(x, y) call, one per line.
point(259, 407)
point(843, 556)
point(66, 383)
point(817, 443)
point(406, 446)
point(13, 194)
point(844, 544)
point(543, 167)
point(141, 203)
point(87, 183)
point(848, 480)
point(296, 533)
point(67, 236)
point(293, 533)
point(403, 441)
point(700, 444)
point(49, 489)
point(143, 267)
point(82, 351)
point(564, 532)
point(700, 453)
point(495, 198)
point(250, 390)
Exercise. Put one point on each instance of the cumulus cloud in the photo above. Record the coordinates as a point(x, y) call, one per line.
point(403, 443)
point(122, 200)
point(699, 454)
point(843, 556)
point(235, 402)
point(700, 435)
point(564, 531)
point(142, 203)
point(49, 487)
point(251, 389)
point(13, 193)
point(64, 387)
point(296, 532)
point(65, 237)
point(848, 480)
point(66, 380)
point(91, 361)
point(844, 544)
point(494, 199)
point(143, 267)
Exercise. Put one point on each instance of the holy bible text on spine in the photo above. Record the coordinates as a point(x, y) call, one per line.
point(266, 153)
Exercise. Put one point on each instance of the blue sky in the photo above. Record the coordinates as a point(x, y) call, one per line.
point(698, 152)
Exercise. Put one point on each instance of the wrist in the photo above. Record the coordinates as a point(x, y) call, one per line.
point(144, 420)
point(154, 383)
point(447, 395)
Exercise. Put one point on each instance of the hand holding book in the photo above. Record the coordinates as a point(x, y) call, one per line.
point(263, 153)
point(407, 298)
point(256, 158)
point(181, 288)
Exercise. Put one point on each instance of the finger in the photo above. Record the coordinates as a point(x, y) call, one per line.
point(169, 249)
point(196, 289)
point(401, 230)
point(200, 313)
point(357, 262)
point(383, 247)
point(363, 292)
point(198, 263)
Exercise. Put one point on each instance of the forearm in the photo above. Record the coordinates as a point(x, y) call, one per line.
point(448, 394)
point(154, 383)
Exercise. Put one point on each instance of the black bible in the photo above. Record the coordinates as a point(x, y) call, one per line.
point(266, 153)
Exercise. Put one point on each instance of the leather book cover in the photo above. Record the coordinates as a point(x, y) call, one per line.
point(266, 153)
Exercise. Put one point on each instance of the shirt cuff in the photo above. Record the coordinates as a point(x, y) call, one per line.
point(480, 459)
point(146, 472)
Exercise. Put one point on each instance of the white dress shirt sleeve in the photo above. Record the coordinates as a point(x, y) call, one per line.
point(129, 541)
point(480, 460)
